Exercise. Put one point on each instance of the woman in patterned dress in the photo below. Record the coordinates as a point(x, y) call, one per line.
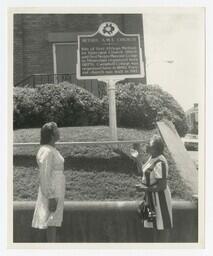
point(48, 212)
point(157, 193)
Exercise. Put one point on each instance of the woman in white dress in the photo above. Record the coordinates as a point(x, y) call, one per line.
point(157, 193)
point(48, 212)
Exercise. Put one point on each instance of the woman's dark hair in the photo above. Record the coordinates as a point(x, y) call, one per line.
point(47, 131)
point(158, 144)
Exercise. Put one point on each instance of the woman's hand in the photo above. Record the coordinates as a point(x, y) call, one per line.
point(52, 204)
point(141, 187)
point(134, 153)
point(160, 185)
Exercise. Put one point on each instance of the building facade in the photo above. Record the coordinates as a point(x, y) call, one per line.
point(47, 43)
point(192, 119)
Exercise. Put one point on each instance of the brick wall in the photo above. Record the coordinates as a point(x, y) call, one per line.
point(32, 50)
point(18, 48)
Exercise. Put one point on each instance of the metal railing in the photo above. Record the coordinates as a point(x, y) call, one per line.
point(83, 143)
point(38, 79)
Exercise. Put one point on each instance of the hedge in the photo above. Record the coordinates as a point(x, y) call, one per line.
point(25, 112)
point(66, 104)
point(140, 106)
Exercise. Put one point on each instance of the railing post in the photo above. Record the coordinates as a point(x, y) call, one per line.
point(55, 79)
point(33, 81)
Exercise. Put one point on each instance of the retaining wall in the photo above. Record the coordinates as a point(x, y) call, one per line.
point(105, 222)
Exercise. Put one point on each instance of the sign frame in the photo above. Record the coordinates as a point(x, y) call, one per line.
point(115, 76)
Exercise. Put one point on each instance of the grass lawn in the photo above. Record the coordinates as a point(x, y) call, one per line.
point(92, 172)
point(72, 134)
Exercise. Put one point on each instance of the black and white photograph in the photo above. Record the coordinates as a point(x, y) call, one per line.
point(108, 127)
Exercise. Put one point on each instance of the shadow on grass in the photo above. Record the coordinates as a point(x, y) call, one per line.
point(115, 164)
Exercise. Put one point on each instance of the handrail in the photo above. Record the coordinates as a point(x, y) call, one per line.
point(52, 74)
point(176, 204)
point(34, 76)
point(49, 78)
point(22, 81)
point(83, 143)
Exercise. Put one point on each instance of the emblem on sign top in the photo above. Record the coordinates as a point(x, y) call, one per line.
point(108, 29)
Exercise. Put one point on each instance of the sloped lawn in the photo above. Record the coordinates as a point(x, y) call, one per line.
point(92, 172)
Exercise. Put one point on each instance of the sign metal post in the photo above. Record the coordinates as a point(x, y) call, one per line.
point(112, 110)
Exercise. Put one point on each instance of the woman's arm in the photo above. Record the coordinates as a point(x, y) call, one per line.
point(160, 185)
point(46, 179)
point(46, 164)
point(52, 204)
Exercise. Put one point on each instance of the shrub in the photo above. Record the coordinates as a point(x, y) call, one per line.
point(142, 105)
point(66, 104)
point(25, 112)
point(69, 105)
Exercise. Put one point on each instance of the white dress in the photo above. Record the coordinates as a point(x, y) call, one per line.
point(51, 185)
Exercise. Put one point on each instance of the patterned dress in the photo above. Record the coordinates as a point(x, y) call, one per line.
point(51, 185)
point(153, 170)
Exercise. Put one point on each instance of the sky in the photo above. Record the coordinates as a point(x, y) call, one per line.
point(177, 36)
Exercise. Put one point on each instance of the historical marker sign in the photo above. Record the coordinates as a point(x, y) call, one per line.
point(109, 54)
